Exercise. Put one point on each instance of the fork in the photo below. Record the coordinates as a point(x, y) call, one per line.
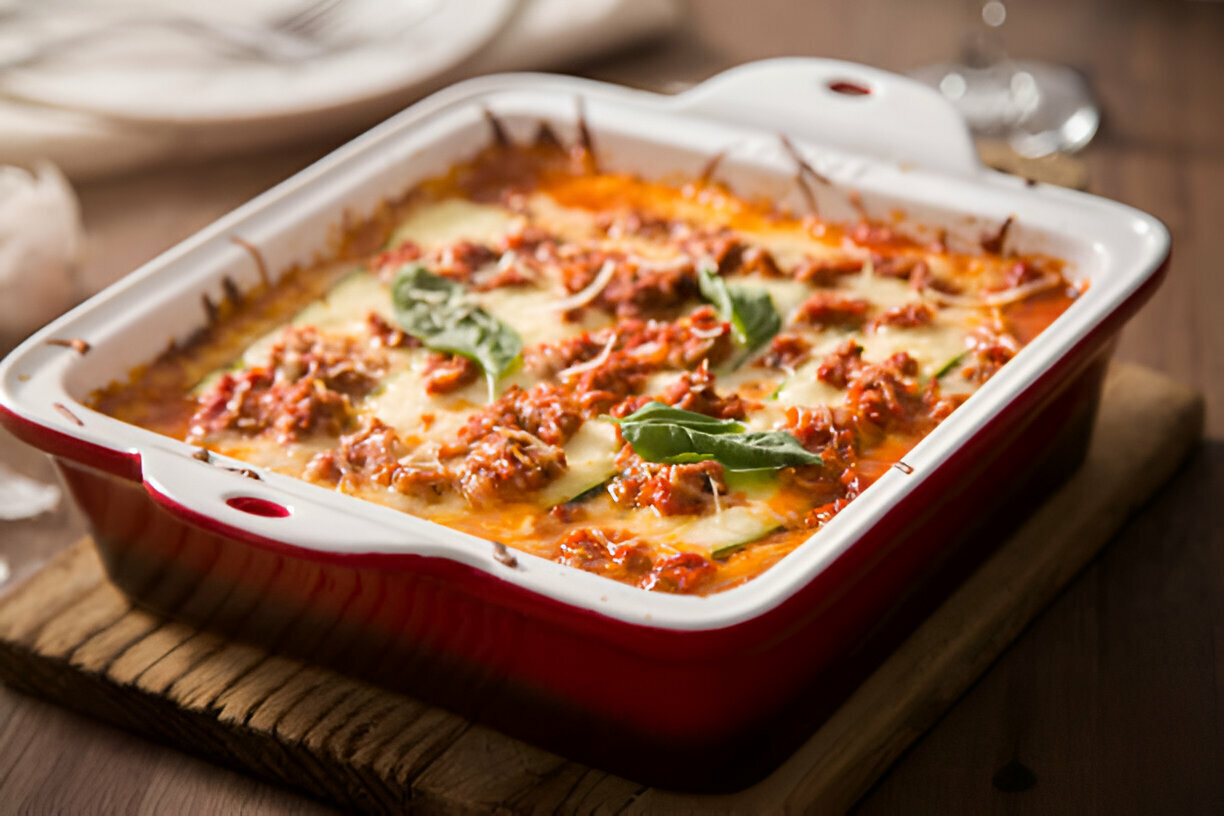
point(296, 35)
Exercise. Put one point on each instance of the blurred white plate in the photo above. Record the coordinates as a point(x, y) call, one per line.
point(172, 75)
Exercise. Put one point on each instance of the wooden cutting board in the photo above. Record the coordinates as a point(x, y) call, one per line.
point(67, 634)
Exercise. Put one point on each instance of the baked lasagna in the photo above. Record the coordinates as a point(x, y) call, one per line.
point(664, 384)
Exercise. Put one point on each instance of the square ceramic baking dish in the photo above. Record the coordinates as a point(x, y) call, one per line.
point(674, 690)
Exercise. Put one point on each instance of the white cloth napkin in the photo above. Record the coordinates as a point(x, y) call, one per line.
point(540, 34)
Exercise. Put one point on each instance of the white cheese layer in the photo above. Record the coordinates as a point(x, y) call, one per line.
point(425, 420)
point(454, 219)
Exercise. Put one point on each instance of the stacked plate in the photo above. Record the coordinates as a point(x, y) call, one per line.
point(104, 86)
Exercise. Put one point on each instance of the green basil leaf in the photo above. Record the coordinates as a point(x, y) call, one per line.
point(441, 314)
point(750, 312)
point(673, 436)
point(658, 413)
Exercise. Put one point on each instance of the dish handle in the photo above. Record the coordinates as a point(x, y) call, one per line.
point(850, 107)
point(224, 496)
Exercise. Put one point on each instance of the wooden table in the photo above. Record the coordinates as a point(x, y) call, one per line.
point(1114, 698)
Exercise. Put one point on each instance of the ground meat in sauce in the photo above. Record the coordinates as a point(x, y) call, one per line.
point(512, 448)
point(612, 553)
point(375, 454)
point(525, 240)
point(839, 365)
point(759, 261)
point(940, 406)
point(633, 223)
point(906, 316)
point(879, 398)
point(787, 351)
point(388, 336)
point(922, 278)
point(836, 443)
point(253, 402)
point(546, 360)
point(654, 345)
point(545, 411)
point(715, 244)
point(988, 351)
point(832, 310)
point(682, 572)
point(637, 290)
point(819, 432)
point(604, 388)
point(506, 464)
point(445, 373)
point(879, 395)
point(820, 516)
point(386, 264)
point(902, 363)
point(629, 354)
point(701, 336)
point(618, 555)
point(306, 388)
point(479, 267)
point(461, 260)
point(868, 232)
point(340, 362)
point(694, 391)
point(508, 272)
point(668, 489)
point(1019, 273)
point(902, 267)
point(826, 271)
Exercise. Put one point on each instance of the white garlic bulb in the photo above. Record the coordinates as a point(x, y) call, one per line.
point(40, 241)
point(22, 497)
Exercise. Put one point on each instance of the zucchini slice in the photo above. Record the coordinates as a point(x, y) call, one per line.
point(590, 458)
point(724, 533)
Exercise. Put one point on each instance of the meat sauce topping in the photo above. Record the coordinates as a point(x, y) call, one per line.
point(604, 371)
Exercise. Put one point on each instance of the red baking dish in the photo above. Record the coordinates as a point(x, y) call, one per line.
point(692, 692)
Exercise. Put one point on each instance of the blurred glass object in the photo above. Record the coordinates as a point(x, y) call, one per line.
point(1037, 107)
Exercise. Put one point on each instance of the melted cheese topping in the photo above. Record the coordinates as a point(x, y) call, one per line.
point(451, 220)
point(596, 275)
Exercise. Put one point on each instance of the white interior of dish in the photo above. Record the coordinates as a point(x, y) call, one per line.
point(1113, 247)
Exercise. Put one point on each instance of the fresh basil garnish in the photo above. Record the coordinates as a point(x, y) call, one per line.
point(658, 413)
point(750, 312)
point(673, 436)
point(442, 314)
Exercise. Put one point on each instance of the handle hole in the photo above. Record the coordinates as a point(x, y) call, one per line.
point(847, 88)
point(258, 507)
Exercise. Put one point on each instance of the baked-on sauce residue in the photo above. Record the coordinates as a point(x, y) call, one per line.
point(878, 338)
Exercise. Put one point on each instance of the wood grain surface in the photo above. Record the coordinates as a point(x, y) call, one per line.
point(1113, 699)
point(70, 635)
